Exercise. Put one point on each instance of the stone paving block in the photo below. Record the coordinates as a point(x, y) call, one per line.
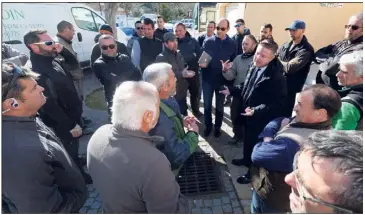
point(89, 202)
point(93, 194)
point(217, 210)
point(208, 203)
point(83, 210)
point(229, 188)
point(198, 203)
point(96, 205)
point(245, 203)
point(92, 211)
point(225, 200)
point(237, 210)
point(232, 195)
point(206, 211)
point(227, 209)
point(235, 203)
point(217, 202)
point(196, 211)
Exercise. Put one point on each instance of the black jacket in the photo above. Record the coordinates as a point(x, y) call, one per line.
point(201, 39)
point(96, 52)
point(159, 33)
point(112, 71)
point(266, 97)
point(38, 174)
point(296, 63)
point(329, 56)
point(175, 59)
point(150, 49)
point(238, 38)
point(63, 108)
point(191, 51)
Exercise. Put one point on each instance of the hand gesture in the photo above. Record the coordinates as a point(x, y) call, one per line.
point(189, 120)
point(248, 112)
point(225, 91)
point(203, 65)
point(193, 127)
point(226, 65)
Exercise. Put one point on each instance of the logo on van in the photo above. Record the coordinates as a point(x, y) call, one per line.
point(12, 14)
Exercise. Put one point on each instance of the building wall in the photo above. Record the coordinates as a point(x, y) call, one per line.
point(325, 25)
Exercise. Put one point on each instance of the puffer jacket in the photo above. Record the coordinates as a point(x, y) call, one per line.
point(112, 71)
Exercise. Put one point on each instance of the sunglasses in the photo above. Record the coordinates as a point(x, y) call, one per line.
point(139, 28)
point(111, 46)
point(353, 27)
point(17, 72)
point(47, 43)
point(221, 29)
point(238, 25)
point(301, 189)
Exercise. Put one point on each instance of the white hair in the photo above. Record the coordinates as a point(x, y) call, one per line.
point(130, 102)
point(354, 58)
point(157, 74)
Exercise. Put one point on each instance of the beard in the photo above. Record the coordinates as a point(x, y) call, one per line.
point(44, 52)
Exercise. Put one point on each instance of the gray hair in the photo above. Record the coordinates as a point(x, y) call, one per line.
point(157, 74)
point(345, 149)
point(130, 102)
point(358, 16)
point(106, 37)
point(354, 58)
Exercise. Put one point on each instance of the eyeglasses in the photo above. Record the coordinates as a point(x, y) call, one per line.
point(139, 28)
point(353, 27)
point(47, 43)
point(111, 46)
point(222, 29)
point(17, 72)
point(300, 188)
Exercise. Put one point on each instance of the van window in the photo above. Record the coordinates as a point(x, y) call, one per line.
point(98, 20)
point(86, 19)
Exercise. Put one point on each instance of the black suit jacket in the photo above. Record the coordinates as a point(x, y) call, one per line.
point(267, 96)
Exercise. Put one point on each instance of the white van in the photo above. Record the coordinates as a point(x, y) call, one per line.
point(19, 18)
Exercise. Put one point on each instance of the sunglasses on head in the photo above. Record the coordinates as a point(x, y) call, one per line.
point(111, 46)
point(17, 72)
point(47, 43)
point(221, 29)
point(353, 27)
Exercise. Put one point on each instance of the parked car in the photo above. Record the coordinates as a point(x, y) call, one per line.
point(173, 22)
point(187, 22)
point(129, 31)
point(168, 26)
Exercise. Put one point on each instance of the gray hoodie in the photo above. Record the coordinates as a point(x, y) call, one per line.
point(239, 69)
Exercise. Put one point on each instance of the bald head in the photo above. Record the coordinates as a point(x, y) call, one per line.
point(222, 28)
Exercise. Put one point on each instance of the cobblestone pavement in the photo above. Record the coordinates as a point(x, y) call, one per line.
point(234, 198)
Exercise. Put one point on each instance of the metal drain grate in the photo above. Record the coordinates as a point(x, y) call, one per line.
point(199, 175)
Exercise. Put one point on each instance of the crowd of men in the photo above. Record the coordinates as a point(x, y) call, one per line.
point(299, 157)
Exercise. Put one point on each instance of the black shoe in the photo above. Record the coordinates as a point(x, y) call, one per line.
point(87, 178)
point(197, 114)
point(239, 162)
point(217, 133)
point(233, 141)
point(86, 121)
point(244, 179)
point(87, 131)
point(207, 132)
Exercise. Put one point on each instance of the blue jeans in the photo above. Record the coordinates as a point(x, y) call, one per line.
point(258, 205)
point(208, 91)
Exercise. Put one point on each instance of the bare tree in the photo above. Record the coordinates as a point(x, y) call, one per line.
point(110, 14)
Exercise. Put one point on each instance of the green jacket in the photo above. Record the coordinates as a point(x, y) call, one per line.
point(178, 145)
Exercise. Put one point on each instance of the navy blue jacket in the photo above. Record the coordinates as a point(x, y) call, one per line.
point(219, 50)
point(275, 155)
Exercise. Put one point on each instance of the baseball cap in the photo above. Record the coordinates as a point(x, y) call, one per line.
point(297, 24)
point(169, 36)
point(105, 27)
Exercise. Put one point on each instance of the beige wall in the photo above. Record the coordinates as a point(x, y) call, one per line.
point(323, 25)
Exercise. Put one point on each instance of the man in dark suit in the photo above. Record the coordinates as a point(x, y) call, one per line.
point(263, 99)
